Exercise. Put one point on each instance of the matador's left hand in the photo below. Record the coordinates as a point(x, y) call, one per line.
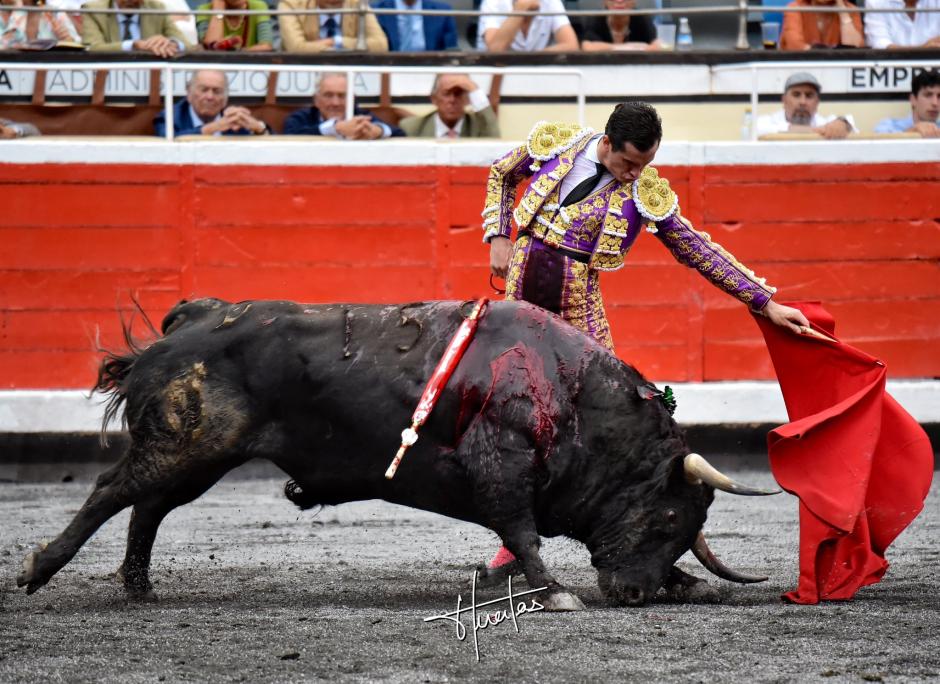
point(785, 316)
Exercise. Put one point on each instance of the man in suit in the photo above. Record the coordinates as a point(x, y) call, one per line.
point(328, 115)
point(205, 110)
point(415, 32)
point(450, 95)
point(154, 33)
point(321, 32)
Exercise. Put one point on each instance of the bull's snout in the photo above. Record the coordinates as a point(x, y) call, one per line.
point(634, 596)
point(622, 592)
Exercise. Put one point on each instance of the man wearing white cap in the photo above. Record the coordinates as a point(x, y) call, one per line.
point(799, 113)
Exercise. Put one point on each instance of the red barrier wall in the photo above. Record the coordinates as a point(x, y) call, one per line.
point(77, 240)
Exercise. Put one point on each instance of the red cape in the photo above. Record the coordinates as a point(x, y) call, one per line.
point(859, 463)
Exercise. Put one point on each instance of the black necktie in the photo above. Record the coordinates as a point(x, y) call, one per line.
point(127, 19)
point(583, 189)
point(330, 26)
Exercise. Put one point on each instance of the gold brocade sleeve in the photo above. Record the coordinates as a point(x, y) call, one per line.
point(505, 174)
point(696, 250)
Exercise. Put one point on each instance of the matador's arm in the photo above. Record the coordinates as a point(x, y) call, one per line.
point(505, 174)
point(657, 203)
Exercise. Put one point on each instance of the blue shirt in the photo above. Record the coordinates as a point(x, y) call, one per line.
point(410, 27)
point(132, 23)
point(894, 125)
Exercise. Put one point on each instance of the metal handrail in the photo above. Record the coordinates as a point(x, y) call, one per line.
point(755, 67)
point(168, 68)
point(743, 9)
point(709, 9)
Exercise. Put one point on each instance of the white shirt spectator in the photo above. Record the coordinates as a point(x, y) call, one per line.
point(187, 23)
point(540, 31)
point(66, 5)
point(777, 122)
point(882, 30)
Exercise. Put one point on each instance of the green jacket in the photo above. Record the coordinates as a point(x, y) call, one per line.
point(482, 124)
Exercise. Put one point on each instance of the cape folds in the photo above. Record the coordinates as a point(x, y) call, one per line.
point(859, 463)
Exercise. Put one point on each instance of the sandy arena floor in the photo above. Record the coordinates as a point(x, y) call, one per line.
point(253, 590)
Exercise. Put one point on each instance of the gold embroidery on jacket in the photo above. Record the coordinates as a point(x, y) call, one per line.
point(654, 198)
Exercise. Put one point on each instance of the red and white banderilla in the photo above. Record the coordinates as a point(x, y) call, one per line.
point(432, 391)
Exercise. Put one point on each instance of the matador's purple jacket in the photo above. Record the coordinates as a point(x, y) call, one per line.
point(605, 224)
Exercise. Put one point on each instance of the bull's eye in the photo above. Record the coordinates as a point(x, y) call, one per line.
point(671, 516)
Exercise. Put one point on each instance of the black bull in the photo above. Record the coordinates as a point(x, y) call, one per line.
point(540, 431)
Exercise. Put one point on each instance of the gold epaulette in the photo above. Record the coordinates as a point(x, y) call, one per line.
point(547, 140)
point(653, 197)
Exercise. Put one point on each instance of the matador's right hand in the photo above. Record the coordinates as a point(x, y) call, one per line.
point(500, 251)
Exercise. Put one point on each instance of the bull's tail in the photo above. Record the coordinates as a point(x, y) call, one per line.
point(115, 369)
point(112, 378)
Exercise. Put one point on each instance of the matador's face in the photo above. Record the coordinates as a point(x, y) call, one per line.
point(625, 164)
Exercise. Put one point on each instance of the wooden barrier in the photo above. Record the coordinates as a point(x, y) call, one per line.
point(79, 239)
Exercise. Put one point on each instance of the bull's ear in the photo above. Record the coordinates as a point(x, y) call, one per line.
point(648, 392)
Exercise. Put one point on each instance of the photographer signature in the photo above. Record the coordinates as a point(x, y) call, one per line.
point(483, 620)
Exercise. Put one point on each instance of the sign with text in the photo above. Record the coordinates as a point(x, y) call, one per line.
point(605, 81)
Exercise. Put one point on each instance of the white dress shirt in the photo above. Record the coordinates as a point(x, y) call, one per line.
point(585, 166)
point(896, 28)
point(777, 122)
point(541, 30)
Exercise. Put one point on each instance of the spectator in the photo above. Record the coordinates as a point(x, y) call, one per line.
point(620, 32)
point(154, 33)
point(805, 30)
point(925, 108)
point(319, 32)
point(184, 21)
point(800, 102)
point(205, 110)
point(414, 32)
point(251, 32)
point(12, 129)
point(450, 96)
point(498, 32)
point(905, 28)
point(328, 115)
point(18, 28)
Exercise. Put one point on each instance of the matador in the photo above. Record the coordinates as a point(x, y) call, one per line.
point(589, 198)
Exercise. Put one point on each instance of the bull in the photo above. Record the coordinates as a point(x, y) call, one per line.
point(539, 432)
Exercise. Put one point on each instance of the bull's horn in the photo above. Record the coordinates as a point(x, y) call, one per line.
point(716, 567)
point(698, 470)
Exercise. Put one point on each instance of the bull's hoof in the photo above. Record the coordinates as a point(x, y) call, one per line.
point(146, 596)
point(491, 577)
point(30, 576)
point(561, 602)
point(136, 589)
